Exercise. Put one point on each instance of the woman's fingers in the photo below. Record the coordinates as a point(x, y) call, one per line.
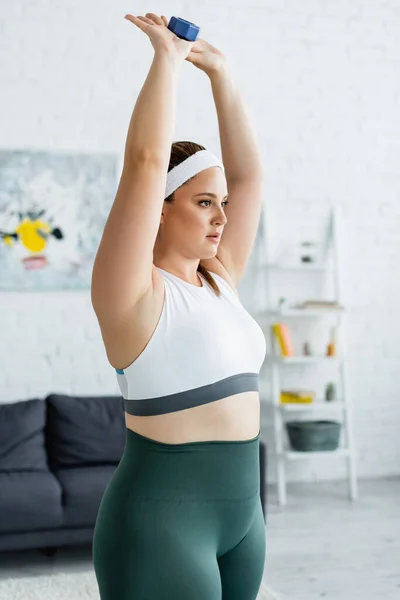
point(149, 19)
point(196, 48)
point(200, 44)
point(155, 18)
point(146, 20)
point(139, 21)
point(131, 18)
point(142, 26)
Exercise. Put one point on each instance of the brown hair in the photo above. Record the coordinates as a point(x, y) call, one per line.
point(180, 151)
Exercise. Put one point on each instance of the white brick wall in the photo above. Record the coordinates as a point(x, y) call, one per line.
point(321, 81)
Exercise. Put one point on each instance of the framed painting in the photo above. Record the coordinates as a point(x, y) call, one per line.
point(53, 209)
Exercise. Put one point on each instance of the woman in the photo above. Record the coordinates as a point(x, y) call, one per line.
point(181, 518)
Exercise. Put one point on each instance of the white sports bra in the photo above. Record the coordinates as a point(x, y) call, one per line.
point(204, 348)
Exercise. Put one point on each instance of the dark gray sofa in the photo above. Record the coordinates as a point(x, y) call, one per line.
point(57, 456)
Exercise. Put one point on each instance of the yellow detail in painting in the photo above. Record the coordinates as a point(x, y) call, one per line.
point(33, 234)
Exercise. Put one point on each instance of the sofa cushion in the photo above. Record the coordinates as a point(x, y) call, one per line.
point(85, 431)
point(83, 489)
point(29, 501)
point(22, 442)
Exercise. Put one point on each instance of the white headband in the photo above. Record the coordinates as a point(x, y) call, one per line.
point(188, 168)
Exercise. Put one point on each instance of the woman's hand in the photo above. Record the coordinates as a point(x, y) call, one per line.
point(206, 57)
point(161, 38)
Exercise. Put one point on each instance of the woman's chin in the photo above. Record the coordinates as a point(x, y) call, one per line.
point(211, 254)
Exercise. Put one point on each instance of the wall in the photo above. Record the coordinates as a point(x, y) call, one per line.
point(321, 82)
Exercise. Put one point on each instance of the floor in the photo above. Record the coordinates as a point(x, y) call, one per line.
point(320, 545)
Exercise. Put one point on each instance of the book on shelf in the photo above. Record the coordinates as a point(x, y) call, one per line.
point(320, 304)
point(284, 339)
point(297, 396)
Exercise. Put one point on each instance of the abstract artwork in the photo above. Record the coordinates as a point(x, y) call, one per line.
point(53, 209)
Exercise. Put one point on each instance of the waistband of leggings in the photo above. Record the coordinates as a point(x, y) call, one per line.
point(204, 470)
point(188, 445)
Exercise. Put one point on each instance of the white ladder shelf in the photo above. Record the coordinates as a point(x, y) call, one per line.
point(276, 363)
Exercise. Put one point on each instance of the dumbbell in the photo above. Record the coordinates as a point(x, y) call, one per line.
point(183, 29)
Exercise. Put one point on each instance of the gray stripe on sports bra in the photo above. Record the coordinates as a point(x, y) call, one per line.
point(236, 384)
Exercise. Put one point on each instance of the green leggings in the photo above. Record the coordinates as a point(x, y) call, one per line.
point(181, 522)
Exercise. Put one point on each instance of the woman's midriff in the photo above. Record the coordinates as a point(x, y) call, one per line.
point(233, 418)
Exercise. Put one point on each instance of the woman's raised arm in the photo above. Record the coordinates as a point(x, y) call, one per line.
point(122, 271)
